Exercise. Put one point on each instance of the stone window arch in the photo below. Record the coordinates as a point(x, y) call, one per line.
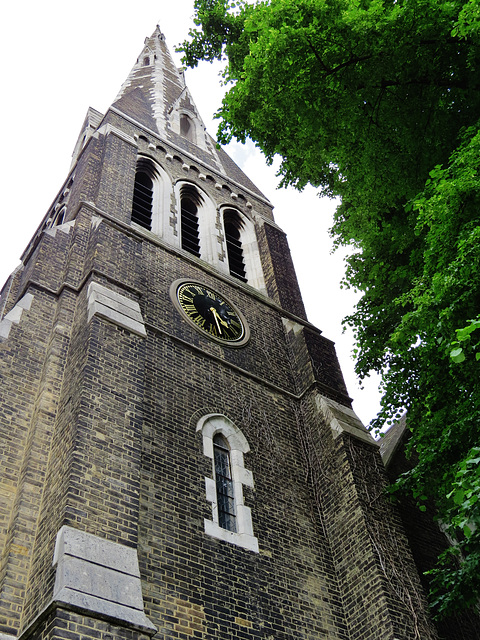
point(58, 217)
point(232, 520)
point(151, 197)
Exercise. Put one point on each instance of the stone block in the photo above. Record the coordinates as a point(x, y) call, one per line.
point(99, 576)
point(116, 308)
point(341, 418)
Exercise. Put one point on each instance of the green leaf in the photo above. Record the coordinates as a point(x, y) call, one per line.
point(457, 355)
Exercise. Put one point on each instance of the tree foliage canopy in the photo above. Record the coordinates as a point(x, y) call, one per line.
point(378, 102)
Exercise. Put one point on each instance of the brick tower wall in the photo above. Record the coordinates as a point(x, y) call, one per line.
point(106, 386)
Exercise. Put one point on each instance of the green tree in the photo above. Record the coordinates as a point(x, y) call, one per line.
point(378, 102)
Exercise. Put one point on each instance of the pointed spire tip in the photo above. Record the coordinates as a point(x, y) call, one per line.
point(158, 32)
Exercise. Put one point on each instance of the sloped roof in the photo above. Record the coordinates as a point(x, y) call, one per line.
point(392, 439)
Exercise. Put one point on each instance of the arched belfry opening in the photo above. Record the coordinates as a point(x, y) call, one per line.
point(142, 205)
point(233, 227)
point(190, 202)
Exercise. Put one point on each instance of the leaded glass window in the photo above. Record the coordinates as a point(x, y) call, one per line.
point(224, 483)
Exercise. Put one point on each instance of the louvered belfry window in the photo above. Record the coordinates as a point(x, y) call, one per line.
point(189, 221)
point(236, 262)
point(224, 484)
point(142, 200)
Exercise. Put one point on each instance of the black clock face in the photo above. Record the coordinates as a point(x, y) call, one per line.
point(211, 313)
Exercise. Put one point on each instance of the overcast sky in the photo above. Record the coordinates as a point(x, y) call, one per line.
point(59, 58)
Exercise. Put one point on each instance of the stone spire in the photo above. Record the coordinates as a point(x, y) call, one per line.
point(156, 96)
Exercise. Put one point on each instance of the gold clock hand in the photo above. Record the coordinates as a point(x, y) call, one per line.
point(225, 324)
point(214, 312)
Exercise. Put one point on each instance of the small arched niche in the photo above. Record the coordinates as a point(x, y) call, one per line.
point(187, 127)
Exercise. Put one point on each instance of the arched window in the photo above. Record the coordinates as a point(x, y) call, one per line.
point(146, 61)
point(187, 128)
point(226, 445)
point(190, 200)
point(242, 259)
point(152, 192)
point(196, 230)
point(142, 207)
point(232, 225)
point(224, 483)
point(60, 217)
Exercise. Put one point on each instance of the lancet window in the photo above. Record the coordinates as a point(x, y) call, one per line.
point(224, 483)
point(226, 445)
point(236, 263)
point(187, 127)
point(190, 200)
point(142, 207)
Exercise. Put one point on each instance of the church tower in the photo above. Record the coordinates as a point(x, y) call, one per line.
point(180, 459)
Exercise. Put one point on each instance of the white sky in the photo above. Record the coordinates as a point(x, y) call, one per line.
point(59, 58)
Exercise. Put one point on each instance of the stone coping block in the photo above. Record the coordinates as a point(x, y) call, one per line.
point(99, 576)
point(14, 316)
point(114, 307)
point(65, 228)
point(341, 418)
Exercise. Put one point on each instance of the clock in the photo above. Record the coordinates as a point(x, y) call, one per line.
point(210, 313)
